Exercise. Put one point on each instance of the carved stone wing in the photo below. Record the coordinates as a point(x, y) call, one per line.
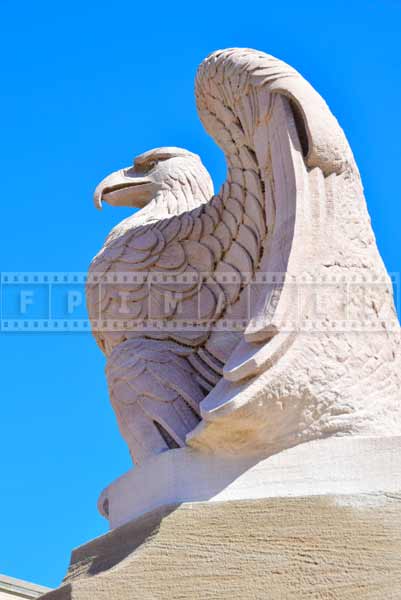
point(290, 167)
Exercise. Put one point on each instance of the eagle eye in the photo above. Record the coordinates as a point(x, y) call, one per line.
point(145, 167)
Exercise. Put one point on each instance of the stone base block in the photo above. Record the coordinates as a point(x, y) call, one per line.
point(342, 465)
point(345, 547)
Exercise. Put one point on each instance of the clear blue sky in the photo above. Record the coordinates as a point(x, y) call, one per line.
point(85, 87)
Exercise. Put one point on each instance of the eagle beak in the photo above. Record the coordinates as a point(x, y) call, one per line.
point(124, 188)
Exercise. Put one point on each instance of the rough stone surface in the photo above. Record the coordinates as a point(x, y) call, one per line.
point(323, 548)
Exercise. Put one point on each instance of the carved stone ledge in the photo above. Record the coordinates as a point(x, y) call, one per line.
point(338, 465)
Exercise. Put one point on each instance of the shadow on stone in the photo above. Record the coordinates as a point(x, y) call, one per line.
point(103, 553)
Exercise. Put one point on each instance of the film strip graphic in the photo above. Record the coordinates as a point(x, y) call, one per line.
point(55, 301)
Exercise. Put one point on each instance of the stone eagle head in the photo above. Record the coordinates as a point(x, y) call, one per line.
point(155, 172)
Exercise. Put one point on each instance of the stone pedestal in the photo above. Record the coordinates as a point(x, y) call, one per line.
point(331, 466)
point(318, 521)
point(320, 547)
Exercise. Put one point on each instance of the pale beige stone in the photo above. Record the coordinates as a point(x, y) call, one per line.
point(330, 466)
point(12, 588)
point(321, 548)
point(285, 249)
point(257, 326)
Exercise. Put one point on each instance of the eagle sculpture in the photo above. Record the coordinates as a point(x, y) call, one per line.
point(259, 317)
